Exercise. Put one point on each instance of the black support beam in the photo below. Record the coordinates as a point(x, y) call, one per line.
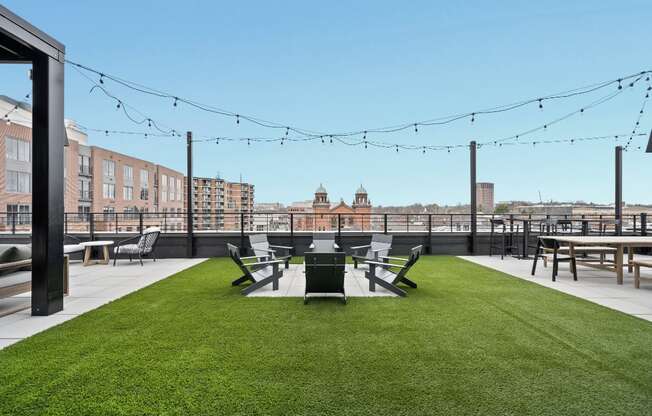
point(47, 185)
point(618, 200)
point(474, 204)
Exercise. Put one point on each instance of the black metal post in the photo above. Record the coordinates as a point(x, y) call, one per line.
point(189, 197)
point(242, 233)
point(47, 184)
point(339, 229)
point(384, 223)
point(619, 190)
point(91, 226)
point(643, 223)
point(429, 234)
point(140, 222)
point(291, 230)
point(474, 206)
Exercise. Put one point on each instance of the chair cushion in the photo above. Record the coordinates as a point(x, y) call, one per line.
point(15, 252)
point(72, 248)
point(127, 249)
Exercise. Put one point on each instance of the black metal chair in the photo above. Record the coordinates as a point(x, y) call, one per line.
point(260, 273)
point(384, 274)
point(325, 274)
point(552, 245)
point(140, 246)
point(503, 239)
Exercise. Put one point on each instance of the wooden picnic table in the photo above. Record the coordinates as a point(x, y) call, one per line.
point(618, 242)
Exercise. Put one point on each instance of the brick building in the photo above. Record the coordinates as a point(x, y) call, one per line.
point(217, 204)
point(484, 194)
point(97, 180)
point(321, 215)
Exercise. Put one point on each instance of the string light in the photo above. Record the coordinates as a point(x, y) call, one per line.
point(632, 79)
point(175, 101)
point(472, 117)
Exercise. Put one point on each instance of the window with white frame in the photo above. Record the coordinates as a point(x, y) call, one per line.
point(19, 182)
point(172, 189)
point(128, 193)
point(179, 190)
point(128, 173)
point(108, 190)
point(18, 149)
point(20, 213)
point(108, 168)
point(164, 188)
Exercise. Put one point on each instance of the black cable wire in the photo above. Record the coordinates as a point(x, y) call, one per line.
point(639, 116)
point(389, 129)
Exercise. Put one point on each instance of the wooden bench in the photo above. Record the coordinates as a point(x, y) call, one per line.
point(637, 270)
point(19, 278)
point(583, 250)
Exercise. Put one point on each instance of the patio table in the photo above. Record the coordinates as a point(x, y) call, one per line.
point(88, 247)
point(618, 242)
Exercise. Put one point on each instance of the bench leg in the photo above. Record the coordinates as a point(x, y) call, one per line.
point(637, 276)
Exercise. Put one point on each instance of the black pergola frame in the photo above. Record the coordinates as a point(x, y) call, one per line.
point(21, 42)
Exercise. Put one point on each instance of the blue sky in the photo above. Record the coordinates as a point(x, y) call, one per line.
point(338, 66)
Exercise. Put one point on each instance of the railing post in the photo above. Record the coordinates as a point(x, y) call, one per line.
point(585, 225)
point(291, 229)
point(65, 223)
point(451, 222)
point(511, 223)
point(116, 223)
point(91, 226)
point(242, 236)
point(13, 222)
point(429, 233)
point(140, 222)
point(385, 223)
point(407, 222)
point(634, 222)
point(643, 223)
point(339, 229)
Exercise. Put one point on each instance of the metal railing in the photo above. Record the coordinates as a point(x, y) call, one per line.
point(296, 222)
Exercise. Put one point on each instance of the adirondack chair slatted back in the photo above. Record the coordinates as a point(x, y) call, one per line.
point(234, 253)
point(323, 236)
point(382, 242)
point(148, 240)
point(549, 243)
point(260, 245)
point(415, 253)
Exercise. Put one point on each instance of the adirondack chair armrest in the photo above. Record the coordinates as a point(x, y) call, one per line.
point(383, 264)
point(393, 258)
point(249, 257)
point(282, 247)
point(360, 247)
point(263, 263)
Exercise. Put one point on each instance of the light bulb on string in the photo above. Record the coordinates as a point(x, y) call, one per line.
point(248, 142)
point(101, 78)
point(416, 130)
point(149, 123)
point(237, 119)
point(365, 144)
point(322, 139)
point(175, 101)
point(106, 132)
point(118, 105)
point(540, 104)
point(620, 87)
point(287, 131)
point(331, 139)
point(364, 137)
point(472, 117)
point(217, 140)
point(396, 148)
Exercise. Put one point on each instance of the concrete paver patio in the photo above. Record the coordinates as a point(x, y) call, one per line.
point(90, 288)
point(293, 284)
point(598, 286)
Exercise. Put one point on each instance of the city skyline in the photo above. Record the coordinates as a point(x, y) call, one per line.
point(335, 74)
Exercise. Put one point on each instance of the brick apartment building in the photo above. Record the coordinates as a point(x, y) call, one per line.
point(217, 204)
point(97, 180)
point(484, 194)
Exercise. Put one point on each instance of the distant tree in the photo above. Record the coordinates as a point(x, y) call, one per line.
point(501, 209)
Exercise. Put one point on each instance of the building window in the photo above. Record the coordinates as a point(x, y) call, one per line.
point(179, 190)
point(164, 188)
point(83, 212)
point(19, 182)
point(18, 149)
point(128, 173)
point(131, 213)
point(108, 168)
point(108, 191)
point(19, 213)
point(172, 189)
point(128, 193)
point(84, 164)
point(84, 190)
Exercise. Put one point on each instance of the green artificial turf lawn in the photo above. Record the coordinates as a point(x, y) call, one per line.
point(468, 341)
